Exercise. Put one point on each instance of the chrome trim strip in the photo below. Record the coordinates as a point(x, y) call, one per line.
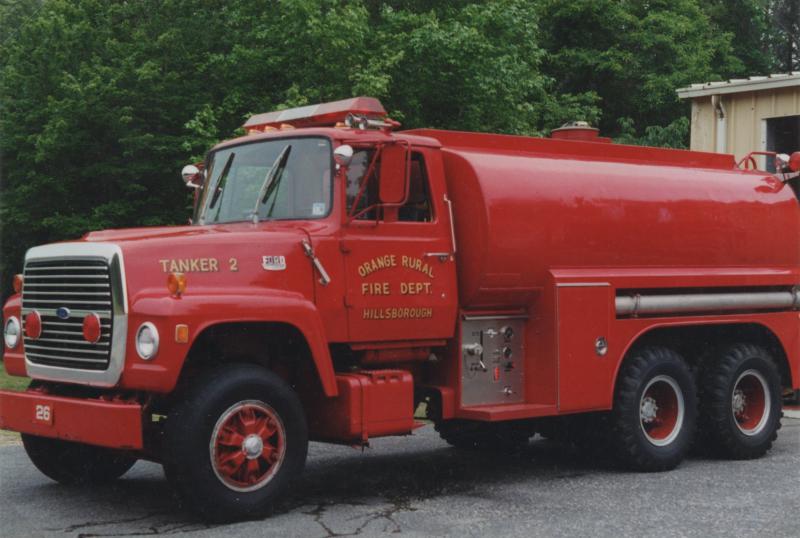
point(61, 358)
point(66, 350)
point(75, 311)
point(45, 340)
point(581, 284)
point(467, 317)
point(95, 277)
point(79, 293)
point(634, 305)
point(113, 255)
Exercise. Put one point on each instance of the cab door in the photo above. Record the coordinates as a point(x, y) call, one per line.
point(399, 263)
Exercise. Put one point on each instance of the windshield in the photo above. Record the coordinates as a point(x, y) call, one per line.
point(291, 176)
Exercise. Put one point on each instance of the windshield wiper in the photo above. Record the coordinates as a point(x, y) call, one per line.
point(215, 190)
point(267, 187)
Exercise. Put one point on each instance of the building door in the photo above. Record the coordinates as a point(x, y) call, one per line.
point(783, 136)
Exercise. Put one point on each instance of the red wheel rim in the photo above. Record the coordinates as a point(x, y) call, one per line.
point(661, 410)
point(248, 445)
point(750, 402)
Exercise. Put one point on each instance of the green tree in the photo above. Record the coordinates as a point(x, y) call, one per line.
point(748, 22)
point(784, 38)
point(633, 54)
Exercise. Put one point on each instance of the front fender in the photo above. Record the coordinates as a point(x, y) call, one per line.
point(202, 310)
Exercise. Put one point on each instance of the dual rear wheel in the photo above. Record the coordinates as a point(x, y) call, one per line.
point(657, 407)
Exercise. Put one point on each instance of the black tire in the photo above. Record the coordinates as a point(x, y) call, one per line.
point(655, 411)
point(76, 463)
point(723, 377)
point(493, 437)
point(213, 402)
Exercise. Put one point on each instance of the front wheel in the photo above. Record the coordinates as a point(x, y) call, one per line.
point(235, 442)
point(75, 463)
point(740, 402)
point(654, 414)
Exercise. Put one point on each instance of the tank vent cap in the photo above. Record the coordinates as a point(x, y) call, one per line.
point(578, 130)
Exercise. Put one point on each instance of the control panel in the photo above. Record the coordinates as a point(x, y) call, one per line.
point(492, 360)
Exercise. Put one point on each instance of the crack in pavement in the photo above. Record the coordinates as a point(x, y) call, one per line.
point(165, 528)
point(387, 514)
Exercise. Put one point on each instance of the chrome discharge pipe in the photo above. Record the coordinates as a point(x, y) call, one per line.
point(635, 305)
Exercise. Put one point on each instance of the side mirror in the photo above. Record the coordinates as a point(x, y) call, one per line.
point(191, 176)
point(343, 155)
point(393, 175)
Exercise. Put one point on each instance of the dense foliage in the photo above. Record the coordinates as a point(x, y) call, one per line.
point(103, 101)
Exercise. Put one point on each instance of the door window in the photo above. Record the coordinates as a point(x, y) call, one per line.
point(362, 192)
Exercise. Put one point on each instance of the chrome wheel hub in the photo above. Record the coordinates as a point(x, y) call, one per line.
point(649, 409)
point(252, 446)
point(739, 402)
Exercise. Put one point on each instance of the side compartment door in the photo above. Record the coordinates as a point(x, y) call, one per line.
point(401, 278)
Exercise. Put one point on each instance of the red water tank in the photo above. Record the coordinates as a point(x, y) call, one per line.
point(524, 206)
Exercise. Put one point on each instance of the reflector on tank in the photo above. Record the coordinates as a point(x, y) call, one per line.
point(319, 115)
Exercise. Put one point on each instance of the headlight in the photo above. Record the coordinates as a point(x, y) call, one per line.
point(147, 341)
point(11, 332)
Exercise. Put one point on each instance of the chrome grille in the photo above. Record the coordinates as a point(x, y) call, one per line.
point(81, 285)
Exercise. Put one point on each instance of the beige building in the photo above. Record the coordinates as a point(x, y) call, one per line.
point(744, 115)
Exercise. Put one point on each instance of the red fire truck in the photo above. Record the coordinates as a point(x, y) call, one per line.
point(338, 273)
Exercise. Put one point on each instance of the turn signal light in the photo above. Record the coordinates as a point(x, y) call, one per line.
point(181, 333)
point(176, 284)
point(33, 325)
point(18, 283)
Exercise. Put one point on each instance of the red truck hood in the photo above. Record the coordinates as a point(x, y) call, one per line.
point(214, 259)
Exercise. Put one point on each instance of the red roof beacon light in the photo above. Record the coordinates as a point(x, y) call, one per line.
point(794, 161)
point(321, 115)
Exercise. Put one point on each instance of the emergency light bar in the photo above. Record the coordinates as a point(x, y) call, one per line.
point(321, 115)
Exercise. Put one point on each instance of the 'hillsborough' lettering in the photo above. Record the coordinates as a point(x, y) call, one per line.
point(397, 313)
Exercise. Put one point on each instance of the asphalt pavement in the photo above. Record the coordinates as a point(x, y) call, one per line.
point(418, 486)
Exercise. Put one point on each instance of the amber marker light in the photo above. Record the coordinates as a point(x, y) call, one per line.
point(181, 333)
point(176, 284)
point(18, 283)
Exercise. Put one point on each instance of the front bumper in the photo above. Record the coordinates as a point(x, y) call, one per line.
point(91, 421)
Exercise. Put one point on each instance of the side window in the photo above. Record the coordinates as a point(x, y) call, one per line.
point(361, 194)
point(418, 206)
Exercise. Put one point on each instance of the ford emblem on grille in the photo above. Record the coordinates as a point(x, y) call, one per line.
point(63, 312)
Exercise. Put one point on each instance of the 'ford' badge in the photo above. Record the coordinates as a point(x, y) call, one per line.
point(63, 312)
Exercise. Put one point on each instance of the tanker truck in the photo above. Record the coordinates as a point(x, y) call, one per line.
point(338, 273)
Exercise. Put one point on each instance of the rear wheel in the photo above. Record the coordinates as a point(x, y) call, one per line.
point(76, 463)
point(740, 402)
point(654, 414)
point(235, 443)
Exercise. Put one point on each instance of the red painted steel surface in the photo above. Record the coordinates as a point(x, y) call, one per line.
point(370, 404)
point(95, 422)
point(521, 212)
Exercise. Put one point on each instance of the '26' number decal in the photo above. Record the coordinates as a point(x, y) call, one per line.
point(44, 414)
